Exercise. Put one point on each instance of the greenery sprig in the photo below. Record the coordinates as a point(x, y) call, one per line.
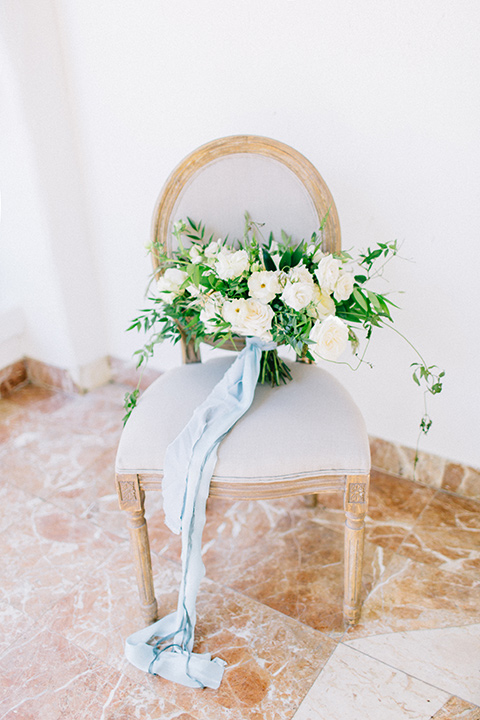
point(294, 294)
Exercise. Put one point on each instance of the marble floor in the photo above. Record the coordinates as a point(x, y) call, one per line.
point(270, 604)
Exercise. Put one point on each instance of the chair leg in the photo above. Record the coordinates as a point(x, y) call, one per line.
point(356, 503)
point(132, 498)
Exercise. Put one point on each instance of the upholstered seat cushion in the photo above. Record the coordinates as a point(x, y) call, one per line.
point(309, 427)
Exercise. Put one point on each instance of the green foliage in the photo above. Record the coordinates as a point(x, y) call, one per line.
point(176, 313)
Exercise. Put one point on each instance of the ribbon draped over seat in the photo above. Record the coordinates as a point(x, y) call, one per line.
point(165, 647)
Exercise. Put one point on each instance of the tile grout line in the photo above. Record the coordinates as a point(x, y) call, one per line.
point(409, 674)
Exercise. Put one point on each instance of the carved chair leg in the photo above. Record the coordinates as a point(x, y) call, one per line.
point(356, 503)
point(132, 498)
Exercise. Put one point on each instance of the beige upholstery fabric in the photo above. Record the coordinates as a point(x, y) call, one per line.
point(220, 193)
point(309, 427)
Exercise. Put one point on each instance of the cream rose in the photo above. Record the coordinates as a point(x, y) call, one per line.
point(343, 287)
point(170, 284)
point(317, 254)
point(230, 265)
point(300, 274)
point(213, 248)
point(297, 295)
point(264, 285)
point(249, 317)
point(327, 273)
point(330, 337)
point(322, 304)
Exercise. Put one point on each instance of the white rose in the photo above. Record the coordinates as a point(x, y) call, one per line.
point(233, 312)
point(212, 248)
point(327, 273)
point(169, 284)
point(343, 287)
point(231, 265)
point(195, 254)
point(317, 255)
point(249, 317)
point(212, 307)
point(330, 337)
point(264, 285)
point(297, 295)
point(300, 274)
point(322, 305)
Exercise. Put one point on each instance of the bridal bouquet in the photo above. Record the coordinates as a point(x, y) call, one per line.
point(293, 294)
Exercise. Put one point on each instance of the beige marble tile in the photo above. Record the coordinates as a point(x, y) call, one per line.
point(447, 535)
point(42, 459)
point(14, 504)
point(413, 596)
point(11, 420)
point(394, 505)
point(280, 553)
point(456, 709)
point(98, 412)
point(46, 554)
point(462, 479)
point(353, 685)
point(448, 658)
point(272, 660)
point(92, 495)
point(13, 624)
point(47, 678)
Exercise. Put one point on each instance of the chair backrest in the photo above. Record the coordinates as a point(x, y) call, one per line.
point(221, 180)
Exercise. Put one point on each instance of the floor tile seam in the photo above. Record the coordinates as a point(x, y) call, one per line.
point(33, 496)
point(454, 495)
point(49, 500)
point(425, 485)
point(416, 630)
point(91, 521)
point(100, 526)
point(398, 476)
point(73, 479)
point(405, 672)
point(39, 623)
point(274, 610)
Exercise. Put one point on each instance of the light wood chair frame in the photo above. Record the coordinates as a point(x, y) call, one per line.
point(131, 488)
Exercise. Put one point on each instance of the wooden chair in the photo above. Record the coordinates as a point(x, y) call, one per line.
point(313, 436)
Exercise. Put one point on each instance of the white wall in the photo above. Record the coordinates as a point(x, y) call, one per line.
point(383, 97)
point(46, 262)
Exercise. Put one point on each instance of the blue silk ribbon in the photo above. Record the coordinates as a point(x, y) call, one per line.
point(165, 648)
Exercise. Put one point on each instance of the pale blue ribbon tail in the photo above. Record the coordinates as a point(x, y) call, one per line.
point(181, 666)
point(165, 648)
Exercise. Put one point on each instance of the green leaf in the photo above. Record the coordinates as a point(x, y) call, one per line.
point(374, 300)
point(267, 259)
point(297, 255)
point(286, 259)
point(360, 299)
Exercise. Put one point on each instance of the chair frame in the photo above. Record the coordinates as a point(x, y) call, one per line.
point(131, 488)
